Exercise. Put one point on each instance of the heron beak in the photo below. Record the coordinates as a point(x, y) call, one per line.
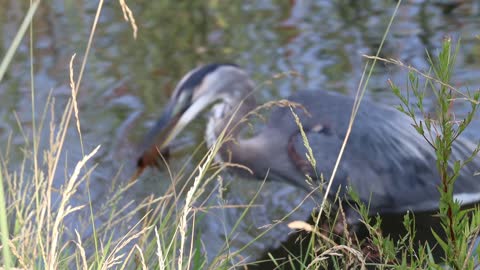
point(173, 120)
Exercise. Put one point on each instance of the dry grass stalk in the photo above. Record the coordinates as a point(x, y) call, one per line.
point(64, 209)
point(128, 16)
point(83, 257)
point(161, 258)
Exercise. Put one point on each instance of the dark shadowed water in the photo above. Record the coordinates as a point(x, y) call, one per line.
point(128, 81)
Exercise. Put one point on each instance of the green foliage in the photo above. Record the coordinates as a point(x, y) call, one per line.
point(460, 227)
point(441, 131)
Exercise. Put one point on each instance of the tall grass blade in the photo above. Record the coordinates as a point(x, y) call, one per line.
point(7, 256)
point(18, 37)
point(358, 98)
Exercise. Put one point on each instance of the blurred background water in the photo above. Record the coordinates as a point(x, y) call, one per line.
point(128, 81)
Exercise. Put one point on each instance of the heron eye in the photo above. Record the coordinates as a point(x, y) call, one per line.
point(324, 129)
point(318, 128)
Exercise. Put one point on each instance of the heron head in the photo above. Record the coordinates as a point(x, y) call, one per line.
point(197, 90)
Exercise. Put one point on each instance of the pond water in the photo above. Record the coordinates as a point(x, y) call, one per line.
point(128, 81)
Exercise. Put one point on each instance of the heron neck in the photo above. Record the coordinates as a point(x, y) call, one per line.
point(228, 118)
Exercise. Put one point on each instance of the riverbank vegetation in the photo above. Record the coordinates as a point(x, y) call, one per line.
point(34, 212)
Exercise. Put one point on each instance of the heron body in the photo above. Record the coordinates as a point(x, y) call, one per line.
point(389, 165)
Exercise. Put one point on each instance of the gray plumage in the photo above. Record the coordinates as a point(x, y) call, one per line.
point(389, 165)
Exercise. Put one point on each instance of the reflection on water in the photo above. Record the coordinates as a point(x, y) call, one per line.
point(127, 81)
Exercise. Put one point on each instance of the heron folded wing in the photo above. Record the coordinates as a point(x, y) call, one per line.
point(386, 162)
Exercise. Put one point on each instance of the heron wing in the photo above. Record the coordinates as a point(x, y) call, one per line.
point(385, 161)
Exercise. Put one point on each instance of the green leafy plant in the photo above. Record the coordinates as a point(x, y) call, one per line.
point(441, 131)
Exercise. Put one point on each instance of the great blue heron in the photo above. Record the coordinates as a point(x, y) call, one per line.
point(386, 162)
